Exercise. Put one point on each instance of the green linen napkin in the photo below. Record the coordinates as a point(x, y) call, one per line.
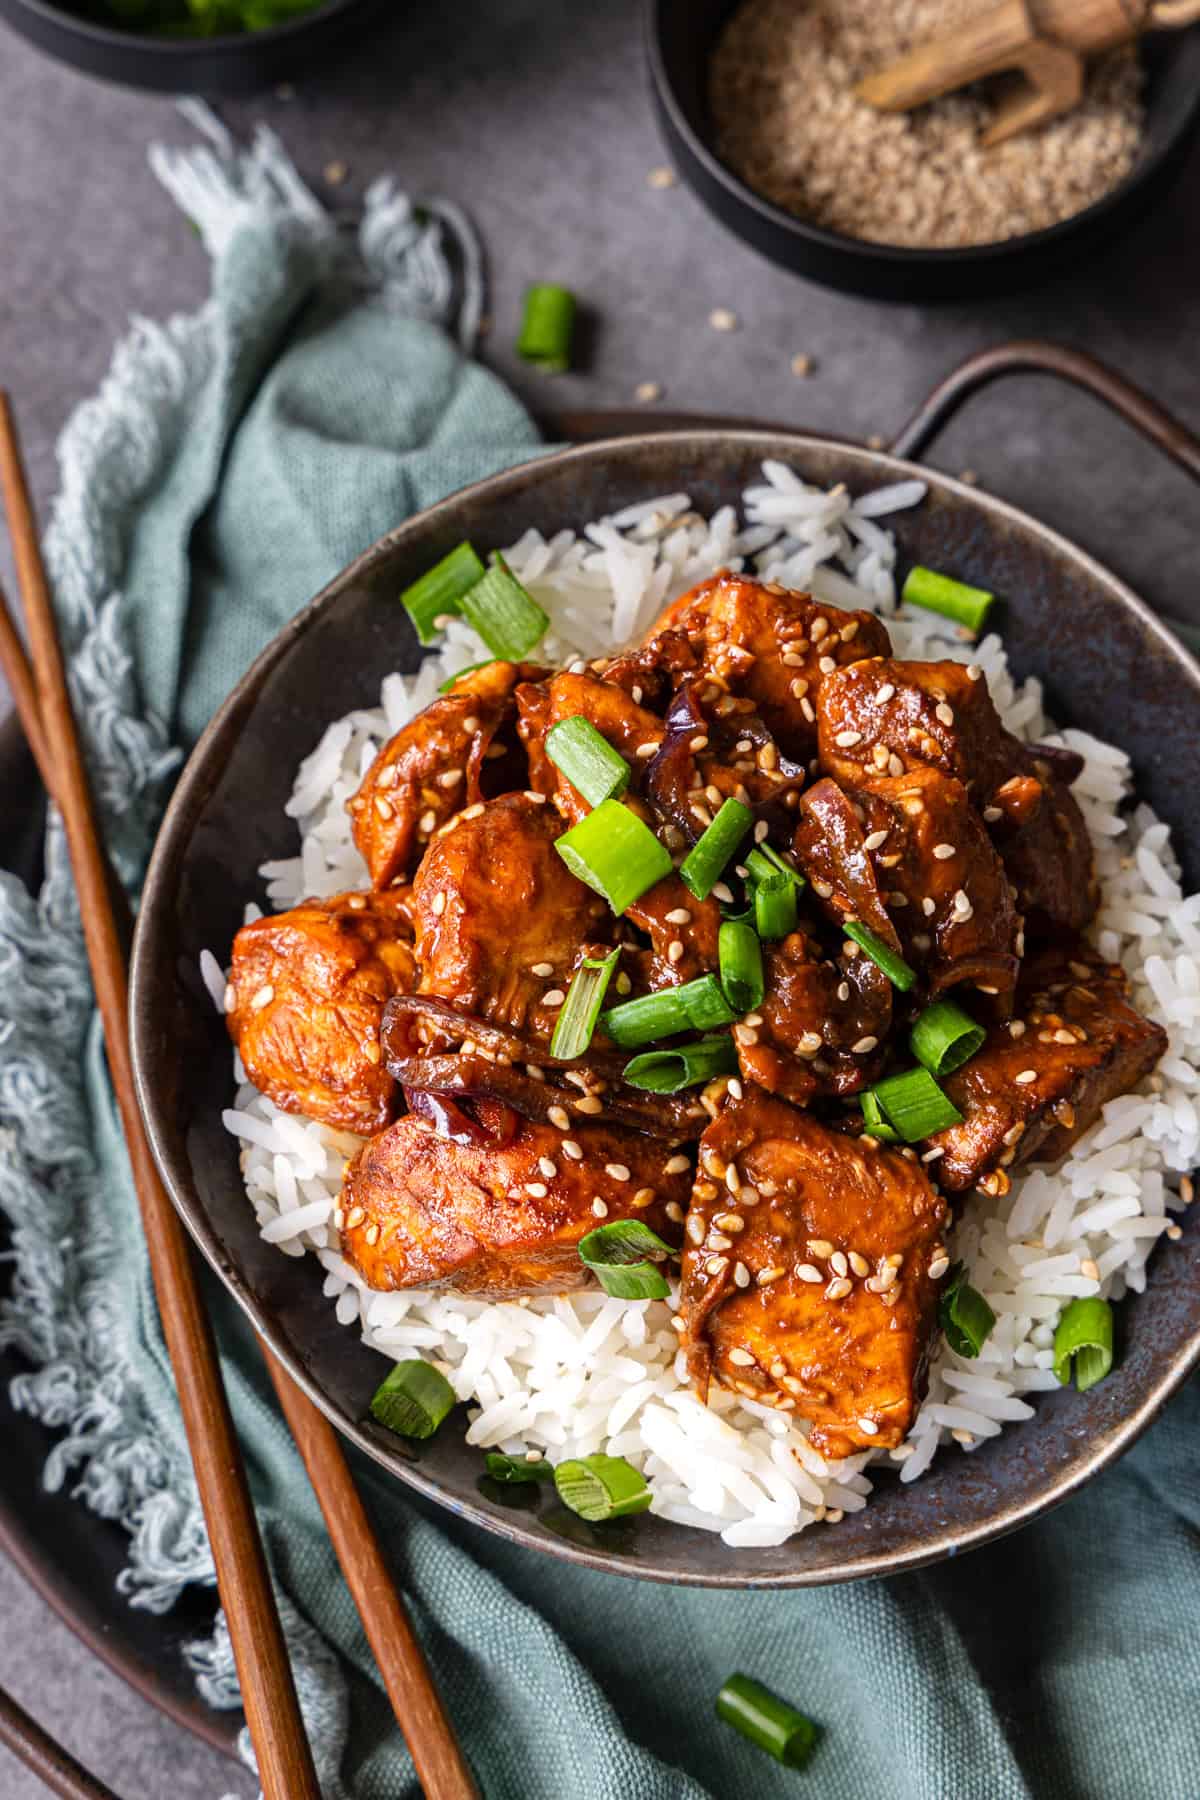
point(231, 464)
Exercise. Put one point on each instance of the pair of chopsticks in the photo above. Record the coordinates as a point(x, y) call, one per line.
point(42, 699)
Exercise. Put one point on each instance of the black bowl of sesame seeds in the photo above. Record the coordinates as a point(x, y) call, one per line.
point(761, 123)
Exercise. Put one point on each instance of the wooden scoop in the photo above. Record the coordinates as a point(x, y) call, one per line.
point(1045, 40)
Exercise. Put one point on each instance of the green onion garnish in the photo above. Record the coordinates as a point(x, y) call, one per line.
point(516, 1470)
point(622, 1256)
point(892, 964)
point(696, 1006)
point(874, 1120)
point(413, 1399)
point(601, 1487)
point(577, 1018)
point(966, 1318)
point(588, 760)
point(546, 327)
point(766, 864)
point(441, 590)
point(741, 965)
point(1085, 1334)
point(952, 599)
point(705, 862)
point(767, 1721)
point(444, 687)
point(508, 620)
point(945, 1037)
point(614, 853)
point(667, 1071)
point(914, 1105)
point(774, 907)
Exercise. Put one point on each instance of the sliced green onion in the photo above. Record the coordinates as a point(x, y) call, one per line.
point(945, 1037)
point(767, 1721)
point(441, 590)
point(577, 1018)
point(601, 1487)
point(614, 853)
point(547, 326)
point(966, 1318)
point(587, 759)
point(766, 864)
point(667, 1071)
point(774, 907)
point(874, 1120)
point(696, 1006)
point(508, 620)
point(444, 687)
point(704, 1003)
point(1084, 1334)
point(413, 1399)
point(967, 606)
point(893, 965)
point(914, 1105)
point(708, 857)
point(741, 965)
point(517, 1470)
point(621, 1256)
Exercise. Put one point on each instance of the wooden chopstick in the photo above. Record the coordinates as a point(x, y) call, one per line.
point(441, 1767)
point(54, 1766)
point(285, 1763)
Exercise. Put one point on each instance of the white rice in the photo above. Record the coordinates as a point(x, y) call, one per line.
point(572, 1375)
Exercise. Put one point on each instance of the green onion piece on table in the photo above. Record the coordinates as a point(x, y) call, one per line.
point(775, 907)
point(667, 1071)
point(587, 759)
point(547, 327)
point(708, 857)
point(413, 1399)
point(509, 620)
point(444, 687)
point(965, 1316)
point(1084, 1335)
point(945, 1037)
point(695, 1006)
point(622, 1258)
point(967, 606)
point(915, 1106)
point(766, 864)
point(440, 591)
point(767, 1721)
point(614, 853)
point(579, 1012)
point(741, 965)
point(874, 1120)
point(889, 960)
point(517, 1470)
point(601, 1487)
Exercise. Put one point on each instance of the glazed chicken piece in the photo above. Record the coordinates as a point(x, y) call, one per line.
point(1040, 1081)
point(822, 1025)
point(501, 1216)
point(706, 759)
point(763, 644)
point(433, 767)
point(310, 987)
point(813, 1289)
point(500, 921)
point(887, 718)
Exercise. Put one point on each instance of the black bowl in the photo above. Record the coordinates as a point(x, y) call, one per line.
point(680, 35)
point(1066, 620)
point(240, 64)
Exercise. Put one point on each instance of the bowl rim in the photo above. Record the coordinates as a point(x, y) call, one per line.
point(174, 834)
point(864, 250)
point(227, 43)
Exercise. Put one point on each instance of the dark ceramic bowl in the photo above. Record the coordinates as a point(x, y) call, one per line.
point(240, 64)
point(680, 35)
point(1067, 621)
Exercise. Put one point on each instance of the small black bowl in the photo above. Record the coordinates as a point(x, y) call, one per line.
point(680, 35)
point(237, 64)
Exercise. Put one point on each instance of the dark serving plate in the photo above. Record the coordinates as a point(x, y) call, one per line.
point(236, 64)
point(1067, 621)
point(680, 35)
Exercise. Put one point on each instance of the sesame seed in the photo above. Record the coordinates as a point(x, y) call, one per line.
point(849, 632)
point(843, 992)
point(695, 1228)
point(616, 1171)
point(818, 629)
point(791, 659)
point(439, 904)
point(1174, 1232)
point(372, 1234)
point(624, 985)
point(599, 1207)
point(859, 1263)
point(823, 888)
point(875, 840)
point(974, 672)
point(716, 1264)
point(741, 1275)
point(765, 1277)
point(355, 1217)
point(807, 1272)
point(962, 1437)
point(827, 664)
point(474, 812)
point(931, 1156)
point(372, 1052)
point(868, 1427)
point(806, 707)
point(895, 766)
point(557, 1116)
point(1016, 1028)
point(944, 852)
point(537, 1190)
point(646, 392)
point(553, 997)
point(733, 1180)
point(450, 778)
point(837, 1290)
point(643, 1197)
point(722, 319)
point(993, 813)
point(541, 968)
point(427, 822)
point(335, 173)
point(674, 1212)
point(572, 1150)
point(810, 1043)
point(1089, 1268)
point(679, 915)
point(1025, 1077)
point(845, 740)
point(938, 1267)
point(760, 831)
point(383, 807)
point(549, 1169)
point(885, 693)
point(662, 177)
point(1187, 1190)
point(802, 365)
point(731, 1222)
point(675, 950)
point(741, 1359)
point(717, 1241)
point(264, 997)
point(838, 1264)
point(819, 1247)
point(944, 713)
point(864, 1046)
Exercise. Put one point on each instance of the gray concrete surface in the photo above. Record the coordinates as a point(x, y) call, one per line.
point(536, 117)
